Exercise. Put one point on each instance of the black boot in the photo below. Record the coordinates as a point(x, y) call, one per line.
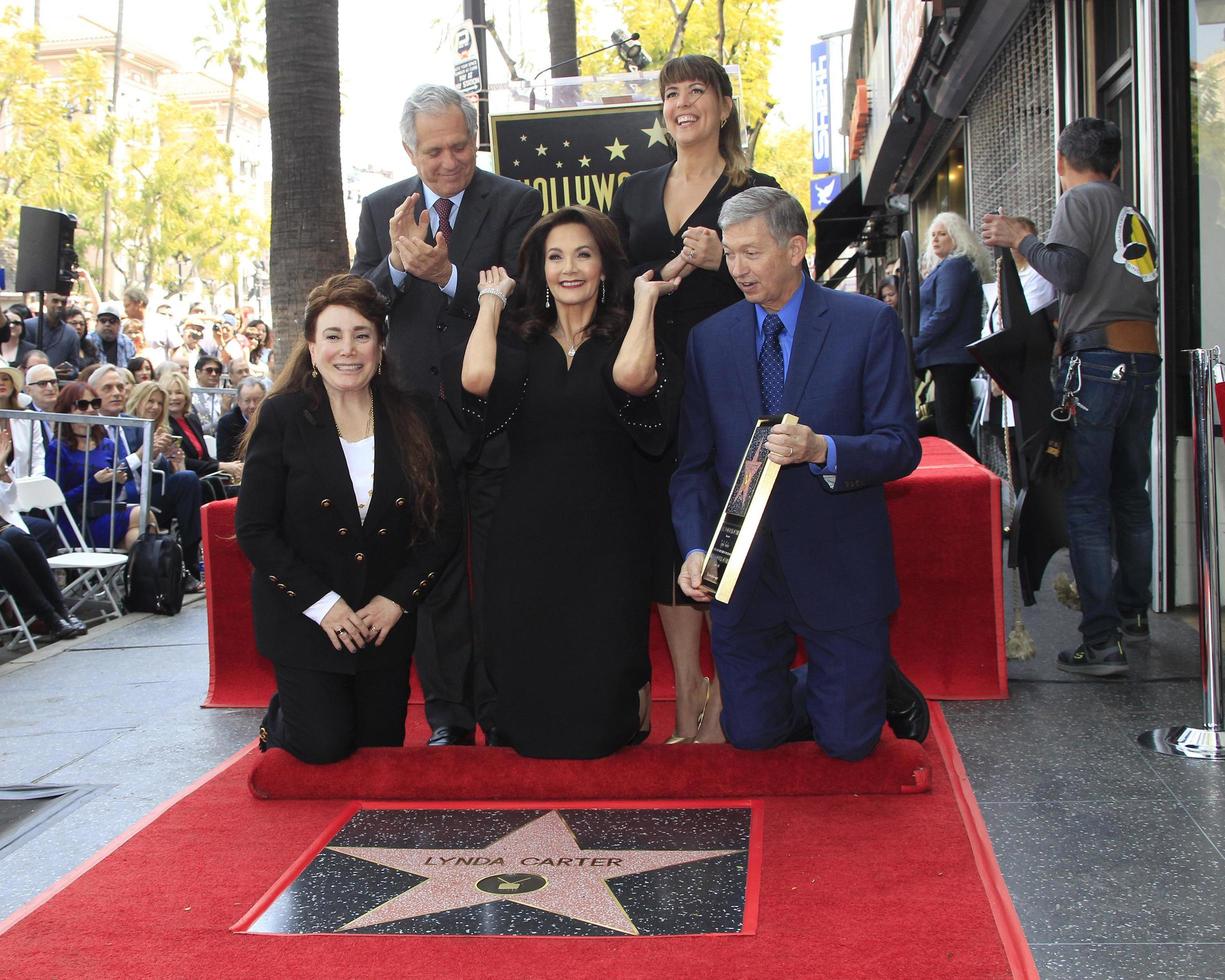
point(271, 723)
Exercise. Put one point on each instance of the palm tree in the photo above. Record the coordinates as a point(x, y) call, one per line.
point(235, 42)
point(308, 242)
point(563, 39)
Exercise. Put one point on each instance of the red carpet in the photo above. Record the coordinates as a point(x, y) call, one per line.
point(948, 635)
point(852, 886)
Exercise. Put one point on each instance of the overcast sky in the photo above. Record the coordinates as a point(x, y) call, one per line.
point(387, 49)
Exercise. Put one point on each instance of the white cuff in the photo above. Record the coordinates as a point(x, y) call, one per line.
point(452, 283)
point(317, 610)
point(397, 275)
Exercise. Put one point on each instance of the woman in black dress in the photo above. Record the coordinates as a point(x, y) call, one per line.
point(567, 594)
point(668, 222)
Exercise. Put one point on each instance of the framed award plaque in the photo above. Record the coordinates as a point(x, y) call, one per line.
point(742, 513)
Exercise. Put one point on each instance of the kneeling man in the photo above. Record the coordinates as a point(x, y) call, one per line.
point(821, 565)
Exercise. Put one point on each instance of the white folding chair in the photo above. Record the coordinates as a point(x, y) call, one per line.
point(98, 571)
point(17, 632)
point(210, 443)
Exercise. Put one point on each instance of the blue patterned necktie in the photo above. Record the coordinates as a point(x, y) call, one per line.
point(770, 366)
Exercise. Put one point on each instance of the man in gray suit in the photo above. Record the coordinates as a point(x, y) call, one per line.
point(423, 242)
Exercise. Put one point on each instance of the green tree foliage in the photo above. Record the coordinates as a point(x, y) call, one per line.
point(169, 183)
point(237, 43)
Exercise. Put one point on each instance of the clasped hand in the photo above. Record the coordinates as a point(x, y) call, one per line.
point(410, 250)
point(109, 475)
point(495, 278)
point(354, 630)
point(701, 248)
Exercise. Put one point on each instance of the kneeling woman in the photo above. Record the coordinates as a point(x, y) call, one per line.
point(347, 513)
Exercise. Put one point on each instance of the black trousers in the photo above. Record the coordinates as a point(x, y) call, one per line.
point(952, 405)
point(179, 495)
point(25, 574)
point(322, 717)
point(449, 649)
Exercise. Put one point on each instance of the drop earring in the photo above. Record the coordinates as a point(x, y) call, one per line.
point(723, 122)
point(601, 290)
point(314, 370)
point(547, 297)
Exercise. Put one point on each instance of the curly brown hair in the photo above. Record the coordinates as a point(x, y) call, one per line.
point(408, 421)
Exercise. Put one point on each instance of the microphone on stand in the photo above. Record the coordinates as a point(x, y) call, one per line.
point(619, 39)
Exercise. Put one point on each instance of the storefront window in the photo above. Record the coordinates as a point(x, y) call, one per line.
point(1207, 37)
point(945, 191)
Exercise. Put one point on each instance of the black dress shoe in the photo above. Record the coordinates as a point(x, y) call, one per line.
point(452, 735)
point(495, 740)
point(76, 624)
point(905, 707)
point(61, 629)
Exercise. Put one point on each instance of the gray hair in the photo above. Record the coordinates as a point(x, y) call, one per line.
point(433, 100)
point(134, 294)
point(250, 382)
point(784, 215)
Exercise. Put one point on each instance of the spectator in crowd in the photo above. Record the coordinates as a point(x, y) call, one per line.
point(886, 292)
point(955, 265)
point(174, 489)
point(259, 347)
point(83, 460)
point(16, 347)
point(193, 335)
point(141, 369)
point(42, 386)
point(26, 438)
point(239, 370)
point(160, 334)
point(167, 368)
point(185, 424)
point(24, 571)
point(55, 338)
point(1099, 255)
point(207, 406)
point(112, 344)
point(20, 309)
point(32, 358)
point(233, 423)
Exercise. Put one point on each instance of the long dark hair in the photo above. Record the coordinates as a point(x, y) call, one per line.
point(411, 430)
point(700, 68)
point(66, 402)
point(530, 318)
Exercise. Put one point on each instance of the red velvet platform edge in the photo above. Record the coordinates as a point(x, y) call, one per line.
point(643, 773)
point(1007, 922)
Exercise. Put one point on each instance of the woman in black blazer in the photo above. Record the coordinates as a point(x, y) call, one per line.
point(669, 220)
point(348, 513)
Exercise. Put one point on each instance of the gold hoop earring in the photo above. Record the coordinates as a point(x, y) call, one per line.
point(723, 122)
point(547, 297)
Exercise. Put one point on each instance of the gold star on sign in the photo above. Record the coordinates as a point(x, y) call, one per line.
point(514, 163)
point(566, 143)
point(523, 138)
point(584, 161)
point(541, 150)
point(559, 164)
point(617, 150)
point(657, 134)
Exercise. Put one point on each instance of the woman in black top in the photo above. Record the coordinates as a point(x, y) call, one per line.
point(668, 221)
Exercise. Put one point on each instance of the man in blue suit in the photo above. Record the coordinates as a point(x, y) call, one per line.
point(822, 562)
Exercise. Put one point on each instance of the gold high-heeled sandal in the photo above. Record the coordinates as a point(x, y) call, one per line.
point(687, 739)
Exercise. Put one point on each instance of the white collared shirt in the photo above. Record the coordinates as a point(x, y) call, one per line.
point(398, 277)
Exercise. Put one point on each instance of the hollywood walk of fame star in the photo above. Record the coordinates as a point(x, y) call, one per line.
point(584, 161)
point(541, 150)
point(616, 150)
point(657, 134)
point(571, 889)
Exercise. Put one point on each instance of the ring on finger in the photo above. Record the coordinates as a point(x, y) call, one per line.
point(790, 450)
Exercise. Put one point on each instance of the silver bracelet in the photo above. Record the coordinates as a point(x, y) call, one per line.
point(491, 291)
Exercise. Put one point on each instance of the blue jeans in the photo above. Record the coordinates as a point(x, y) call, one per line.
point(1107, 505)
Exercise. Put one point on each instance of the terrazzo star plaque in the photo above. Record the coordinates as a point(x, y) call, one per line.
point(665, 869)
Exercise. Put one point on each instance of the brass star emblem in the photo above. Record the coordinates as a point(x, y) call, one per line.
point(584, 161)
point(540, 865)
point(514, 163)
point(566, 143)
point(559, 164)
point(541, 150)
point(617, 150)
point(523, 138)
point(657, 134)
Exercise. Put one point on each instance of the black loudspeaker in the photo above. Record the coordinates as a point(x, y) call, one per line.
point(45, 256)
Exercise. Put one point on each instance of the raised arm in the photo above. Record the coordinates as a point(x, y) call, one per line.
point(480, 356)
point(634, 369)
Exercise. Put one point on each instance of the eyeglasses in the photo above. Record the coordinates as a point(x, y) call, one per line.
point(85, 404)
point(107, 318)
point(40, 384)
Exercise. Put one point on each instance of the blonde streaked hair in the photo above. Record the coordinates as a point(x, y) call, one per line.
point(139, 397)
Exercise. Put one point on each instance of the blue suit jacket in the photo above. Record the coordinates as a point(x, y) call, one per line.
point(847, 378)
point(950, 313)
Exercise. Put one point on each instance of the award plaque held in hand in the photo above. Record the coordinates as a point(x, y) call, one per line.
point(742, 513)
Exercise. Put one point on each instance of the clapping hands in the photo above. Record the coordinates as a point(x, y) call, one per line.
point(411, 251)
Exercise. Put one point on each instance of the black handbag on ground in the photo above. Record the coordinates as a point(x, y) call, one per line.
point(153, 579)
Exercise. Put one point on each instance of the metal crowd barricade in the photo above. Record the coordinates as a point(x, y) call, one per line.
point(1207, 742)
point(44, 424)
point(211, 395)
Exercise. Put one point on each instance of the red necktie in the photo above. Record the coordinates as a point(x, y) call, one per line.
point(443, 206)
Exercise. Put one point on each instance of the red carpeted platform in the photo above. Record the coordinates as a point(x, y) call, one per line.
point(647, 772)
point(851, 886)
point(948, 635)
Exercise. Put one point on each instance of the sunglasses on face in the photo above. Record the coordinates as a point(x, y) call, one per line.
point(85, 404)
point(210, 370)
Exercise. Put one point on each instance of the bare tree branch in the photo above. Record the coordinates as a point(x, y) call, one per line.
point(678, 36)
point(511, 66)
point(755, 131)
point(721, 36)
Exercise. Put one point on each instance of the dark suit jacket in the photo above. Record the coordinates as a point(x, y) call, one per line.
point(950, 313)
point(425, 324)
point(230, 428)
point(847, 378)
point(298, 523)
point(200, 464)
